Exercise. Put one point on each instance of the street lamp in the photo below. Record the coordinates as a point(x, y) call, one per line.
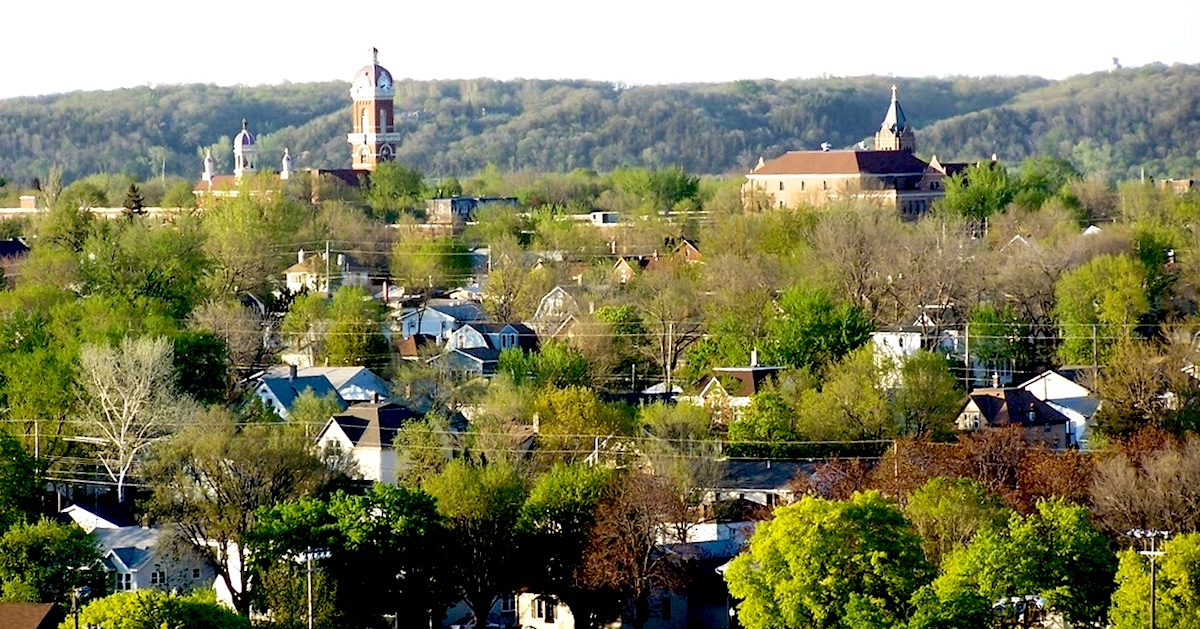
point(1153, 535)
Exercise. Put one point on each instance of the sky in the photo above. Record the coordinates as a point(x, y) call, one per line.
point(53, 47)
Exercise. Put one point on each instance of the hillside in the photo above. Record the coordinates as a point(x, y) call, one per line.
point(1109, 123)
point(457, 127)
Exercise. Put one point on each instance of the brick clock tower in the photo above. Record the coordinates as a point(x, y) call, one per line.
point(374, 139)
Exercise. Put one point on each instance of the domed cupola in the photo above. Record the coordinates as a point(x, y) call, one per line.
point(245, 153)
point(372, 81)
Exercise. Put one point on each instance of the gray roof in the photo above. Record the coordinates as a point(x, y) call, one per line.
point(761, 475)
point(286, 389)
point(133, 545)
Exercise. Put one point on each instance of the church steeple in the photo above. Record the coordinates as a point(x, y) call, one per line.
point(373, 136)
point(245, 153)
point(895, 134)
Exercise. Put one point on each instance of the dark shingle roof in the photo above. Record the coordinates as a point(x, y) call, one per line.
point(761, 475)
point(286, 389)
point(843, 162)
point(374, 424)
point(13, 248)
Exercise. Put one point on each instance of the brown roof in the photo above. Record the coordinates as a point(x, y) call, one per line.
point(751, 379)
point(30, 615)
point(1001, 407)
point(842, 163)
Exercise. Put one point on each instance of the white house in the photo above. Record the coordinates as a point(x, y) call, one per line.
point(368, 432)
point(280, 392)
point(438, 318)
point(1076, 402)
point(323, 272)
point(142, 558)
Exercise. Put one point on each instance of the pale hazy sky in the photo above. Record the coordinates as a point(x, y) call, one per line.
point(49, 47)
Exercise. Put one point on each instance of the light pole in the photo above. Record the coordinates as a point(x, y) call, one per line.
point(307, 558)
point(1153, 535)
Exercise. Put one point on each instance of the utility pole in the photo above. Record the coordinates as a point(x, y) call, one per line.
point(328, 281)
point(1153, 554)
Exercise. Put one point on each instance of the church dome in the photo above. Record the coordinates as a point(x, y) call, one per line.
point(373, 76)
point(243, 138)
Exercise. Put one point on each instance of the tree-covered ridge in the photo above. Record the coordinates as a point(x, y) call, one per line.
point(1109, 124)
point(458, 127)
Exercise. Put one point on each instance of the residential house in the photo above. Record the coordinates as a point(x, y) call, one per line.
point(890, 174)
point(438, 318)
point(559, 308)
point(367, 432)
point(324, 272)
point(141, 557)
point(280, 392)
point(768, 483)
point(1062, 391)
point(1042, 422)
point(934, 330)
point(688, 252)
point(30, 615)
point(475, 348)
point(728, 390)
point(625, 270)
point(353, 384)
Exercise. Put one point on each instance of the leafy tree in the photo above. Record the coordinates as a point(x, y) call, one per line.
point(354, 335)
point(394, 189)
point(217, 473)
point(1041, 178)
point(948, 512)
point(928, 398)
point(43, 561)
point(1055, 553)
point(558, 517)
point(152, 609)
point(1098, 305)
point(480, 506)
point(555, 365)
point(852, 403)
point(20, 483)
point(978, 192)
point(202, 367)
point(681, 447)
point(1178, 593)
point(805, 567)
point(573, 418)
point(999, 335)
point(767, 428)
point(813, 330)
point(248, 240)
point(386, 554)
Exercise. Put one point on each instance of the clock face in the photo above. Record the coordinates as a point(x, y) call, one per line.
point(385, 82)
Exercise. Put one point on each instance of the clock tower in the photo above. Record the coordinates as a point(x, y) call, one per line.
point(374, 138)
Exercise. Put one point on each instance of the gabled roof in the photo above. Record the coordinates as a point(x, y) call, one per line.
point(341, 378)
point(30, 615)
point(843, 163)
point(751, 379)
point(373, 425)
point(1003, 407)
point(286, 389)
point(464, 311)
point(526, 337)
point(131, 546)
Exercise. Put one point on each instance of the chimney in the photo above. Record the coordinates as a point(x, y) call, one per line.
point(995, 380)
point(291, 372)
point(754, 357)
point(537, 423)
point(374, 397)
point(341, 260)
point(385, 291)
point(300, 256)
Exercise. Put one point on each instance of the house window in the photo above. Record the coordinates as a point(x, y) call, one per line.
point(509, 340)
point(781, 185)
point(195, 573)
point(124, 582)
point(544, 608)
point(508, 604)
point(158, 577)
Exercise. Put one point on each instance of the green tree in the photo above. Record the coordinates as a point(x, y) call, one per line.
point(558, 517)
point(43, 561)
point(1098, 306)
point(354, 335)
point(20, 483)
point(202, 367)
point(480, 506)
point(979, 192)
point(152, 609)
point(1178, 591)
point(573, 418)
point(1041, 178)
point(928, 398)
point(812, 330)
point(948, 512)
point(1055, 553)
point(805, 567)
point(555, 365)
point(999, 335)
point(395, 189)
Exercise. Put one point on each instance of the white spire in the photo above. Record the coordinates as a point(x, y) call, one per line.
point(208, 165)
point(286, 171)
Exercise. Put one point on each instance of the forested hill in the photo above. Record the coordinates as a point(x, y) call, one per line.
point(1113, 124)
point(1118, 121)
point(456, 127)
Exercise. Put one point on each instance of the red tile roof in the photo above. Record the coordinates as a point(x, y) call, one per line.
point(842, 163)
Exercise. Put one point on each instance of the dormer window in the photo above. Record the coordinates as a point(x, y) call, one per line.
point(508, 339)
